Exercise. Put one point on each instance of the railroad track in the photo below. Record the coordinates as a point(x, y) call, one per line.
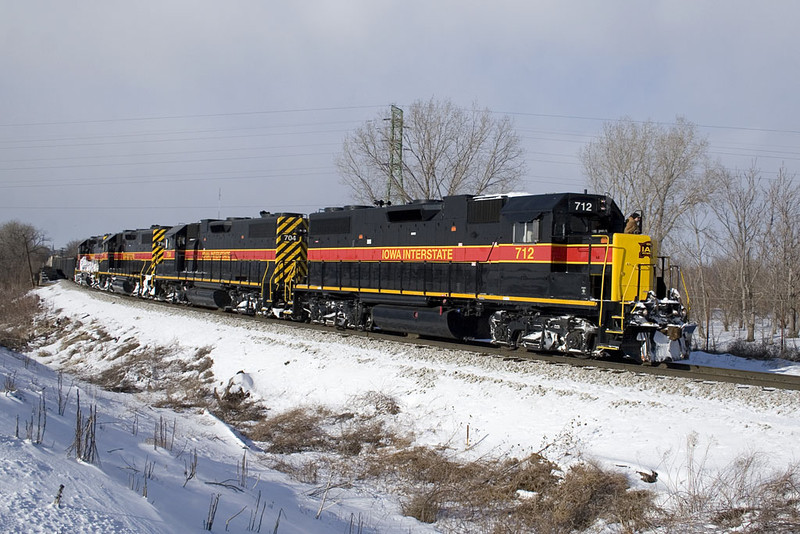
point(699, 373)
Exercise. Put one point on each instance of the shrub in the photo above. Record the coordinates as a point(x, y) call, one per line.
point(762, 351)
point(741, 497)
point(585, 494)
point(17, 312)
point(353, 436)
point(297, 430)
point(424, 506)
point(380, 403)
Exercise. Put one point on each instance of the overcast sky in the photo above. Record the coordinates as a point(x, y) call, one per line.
point(120, 114)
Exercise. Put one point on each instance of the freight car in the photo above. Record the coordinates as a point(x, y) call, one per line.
point(58, 267)
point(546, 272)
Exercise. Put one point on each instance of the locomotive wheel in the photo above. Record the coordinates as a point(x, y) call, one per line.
point(513, 340)
point(575, 345)
point(367, 325)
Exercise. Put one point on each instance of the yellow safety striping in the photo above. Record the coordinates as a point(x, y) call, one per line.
point(291, 254)
point(158, 246)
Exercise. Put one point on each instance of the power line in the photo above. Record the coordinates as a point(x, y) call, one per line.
point(92, 165)
point(195, 116)
point(167, 132)
point(664, 123)
point(161, 179)
point(175, 153)
point(380, 106)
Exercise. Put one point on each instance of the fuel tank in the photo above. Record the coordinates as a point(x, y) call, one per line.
point(435, 322)
point(122, 285)
point(208, 298)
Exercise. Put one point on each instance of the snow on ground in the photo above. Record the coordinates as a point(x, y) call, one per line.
point(626, 421)
point(729, 361)
point(136, 487)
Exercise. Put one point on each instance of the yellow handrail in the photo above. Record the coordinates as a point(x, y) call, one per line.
point(603, 273)
point(686, 292)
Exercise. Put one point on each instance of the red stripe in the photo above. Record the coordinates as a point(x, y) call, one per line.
point(542, 253)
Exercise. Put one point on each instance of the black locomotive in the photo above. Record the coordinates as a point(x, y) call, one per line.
point(548, 272)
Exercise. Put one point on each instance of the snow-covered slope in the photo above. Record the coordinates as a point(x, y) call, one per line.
point(136, 487)
point(473, 404)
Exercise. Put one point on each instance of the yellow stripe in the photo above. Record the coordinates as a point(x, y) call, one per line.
point(566, 302)
point(214, 280)
point(481, 296)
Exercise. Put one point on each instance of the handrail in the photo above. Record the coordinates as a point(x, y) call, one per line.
point(263, 279)
point(686, 293)
point(626, 284)
point(607, 245)
point(639, 281)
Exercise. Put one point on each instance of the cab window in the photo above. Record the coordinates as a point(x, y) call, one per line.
point(526, 231)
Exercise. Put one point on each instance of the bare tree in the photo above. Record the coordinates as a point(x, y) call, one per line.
point(697, 256)
point(22, 253)
point(447, 150)
point(70, 250)
point(783, 245)
point(722, 285)
point(739, 204)
point(649, 168)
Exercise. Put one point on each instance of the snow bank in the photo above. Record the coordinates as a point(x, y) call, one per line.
point(136, 487)
point(625, 420)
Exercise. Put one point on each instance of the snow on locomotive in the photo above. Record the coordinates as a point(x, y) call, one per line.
point(548, 272)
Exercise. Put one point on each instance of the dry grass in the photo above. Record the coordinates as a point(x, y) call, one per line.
point(305, 471)
point(759, 350)
point(319, 429)
point(437, 485)
point(425, 505)
point(74, 339)
point(585, 494)
point(124, 350)
point(138, 368)
point(377, 402)
point(490, 494)
point(744, 497)
point(18, 310)
point(298, 430)
point(352, 438)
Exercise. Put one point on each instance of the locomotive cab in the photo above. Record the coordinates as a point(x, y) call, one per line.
point(581, 285)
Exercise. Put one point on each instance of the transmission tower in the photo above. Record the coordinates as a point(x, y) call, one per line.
point(395, 152)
